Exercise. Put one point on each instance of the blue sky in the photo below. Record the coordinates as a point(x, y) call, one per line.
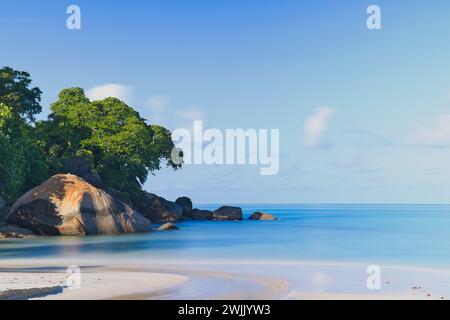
point(381, 97)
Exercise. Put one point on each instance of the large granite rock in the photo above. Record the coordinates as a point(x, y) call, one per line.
point(68, 205)
point(227, 213)
point(82, 168)
point(157, 209)
point(186, 205)
point(262, 216)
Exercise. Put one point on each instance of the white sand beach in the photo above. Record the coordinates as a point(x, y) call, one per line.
point(96, 284)
point(222, 279)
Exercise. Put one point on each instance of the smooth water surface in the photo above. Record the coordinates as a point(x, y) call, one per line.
point(413, 235)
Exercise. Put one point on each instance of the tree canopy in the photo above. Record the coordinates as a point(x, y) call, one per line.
point(16, 93)
point(118, 144)
point(22, 162)
point(112, 136)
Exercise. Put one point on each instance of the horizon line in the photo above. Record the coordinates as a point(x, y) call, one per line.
point(330, 203)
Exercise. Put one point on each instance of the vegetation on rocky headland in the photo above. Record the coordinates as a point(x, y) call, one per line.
point(120, 146)
point(81, 171)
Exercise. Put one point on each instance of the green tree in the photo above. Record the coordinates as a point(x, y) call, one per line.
point(15, 92)
point(112, 136)
point(22, 164)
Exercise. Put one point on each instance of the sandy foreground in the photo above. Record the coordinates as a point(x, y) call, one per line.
point(49, 279)
point(93, 285)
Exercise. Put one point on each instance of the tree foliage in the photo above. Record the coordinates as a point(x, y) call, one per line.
point(112, 136)
point(117, 142)
point(16, 93)
point(22, 163)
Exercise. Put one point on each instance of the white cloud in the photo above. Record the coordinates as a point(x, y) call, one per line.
point(316, 125)
point(161, 110)
point(185, 118)
point(118, 91)
point(437, 135)
point(192, 114)
point(158, 103)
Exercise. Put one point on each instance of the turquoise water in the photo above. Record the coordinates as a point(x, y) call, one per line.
point(413, 235)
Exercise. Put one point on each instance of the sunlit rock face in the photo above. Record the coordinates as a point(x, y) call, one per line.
point(68, 205)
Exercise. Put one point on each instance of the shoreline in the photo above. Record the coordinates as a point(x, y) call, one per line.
point(220, 279)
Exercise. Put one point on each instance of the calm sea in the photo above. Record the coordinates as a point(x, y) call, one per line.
point(413, 235)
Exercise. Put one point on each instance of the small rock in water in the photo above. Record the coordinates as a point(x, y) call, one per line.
point(262, 216)
point(167, 226)
point(227, 213)
point(198, 214)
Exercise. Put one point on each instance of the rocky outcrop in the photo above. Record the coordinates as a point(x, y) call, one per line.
point(197, 214)
point(82, 168)
point(157, 209)
point(227, 213)
point(186, 205)
point(141, 200)
point(66, 204)
point(224, 213)
point(167, 226)
point(13, 232)
point(262, 216)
